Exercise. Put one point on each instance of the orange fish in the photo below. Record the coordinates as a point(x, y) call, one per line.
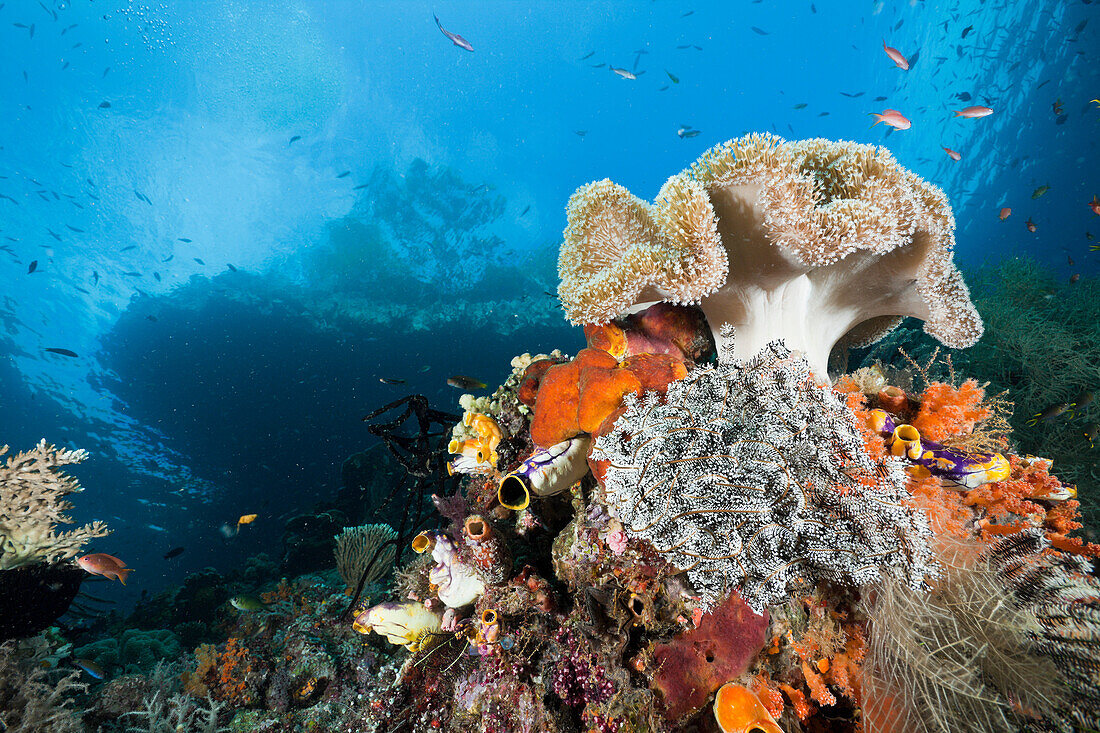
point(893, 118)
point(952, 154)
point(972, 112)
point(895, 56)
point(739, 710)
point(1005, 213)
point(1030, 225)
point(1095, 205)
point(245, 519)
point(108, 566)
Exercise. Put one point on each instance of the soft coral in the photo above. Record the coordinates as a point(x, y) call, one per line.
point(946, 410)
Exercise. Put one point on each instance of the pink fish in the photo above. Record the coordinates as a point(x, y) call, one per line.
point(455, 38)
point(973, 112)
point(1005, 213)
point(893, 118)
point(1095, 205)
point(895, 56)
point(108, 566)
point(952, 154)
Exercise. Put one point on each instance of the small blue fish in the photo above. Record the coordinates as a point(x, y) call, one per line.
point(93, 669)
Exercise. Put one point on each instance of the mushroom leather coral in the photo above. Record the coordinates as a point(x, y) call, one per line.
point(696, 663)
point(809, 242)
point(577, 397)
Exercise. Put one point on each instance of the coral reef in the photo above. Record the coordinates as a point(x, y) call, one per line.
point(32, 504)
point(133, 651)
point(682, 527)
point(33, 696)
point(1041, 349)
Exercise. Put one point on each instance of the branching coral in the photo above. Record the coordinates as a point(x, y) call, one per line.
point(809, 241)
point(32, 503)
point(178, 714)
point(357, 547)
point(751, 476)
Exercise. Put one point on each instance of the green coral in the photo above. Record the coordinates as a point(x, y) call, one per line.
point(134, 651)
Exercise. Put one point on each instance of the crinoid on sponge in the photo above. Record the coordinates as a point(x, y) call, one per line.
point(749, 475)
point(810, 241)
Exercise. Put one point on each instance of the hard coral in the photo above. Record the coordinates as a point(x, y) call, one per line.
point(807, 241)
point(697, 662)
point(32, 504)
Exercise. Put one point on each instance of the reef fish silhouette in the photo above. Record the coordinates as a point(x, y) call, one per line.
point(455, 38)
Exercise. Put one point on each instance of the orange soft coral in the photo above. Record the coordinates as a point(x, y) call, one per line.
point(873, 441)
point(947, 515)
point(223, 675)
point(1029, 481)
point(946, 410)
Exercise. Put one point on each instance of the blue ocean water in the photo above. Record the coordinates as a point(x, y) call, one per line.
point(243, 216)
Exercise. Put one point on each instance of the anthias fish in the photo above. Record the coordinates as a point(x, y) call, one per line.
point(895, 56)
point(108, 566)
point(893, 118)
point(974, 112)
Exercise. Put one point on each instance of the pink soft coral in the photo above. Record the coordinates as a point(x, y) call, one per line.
point(946, 410)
